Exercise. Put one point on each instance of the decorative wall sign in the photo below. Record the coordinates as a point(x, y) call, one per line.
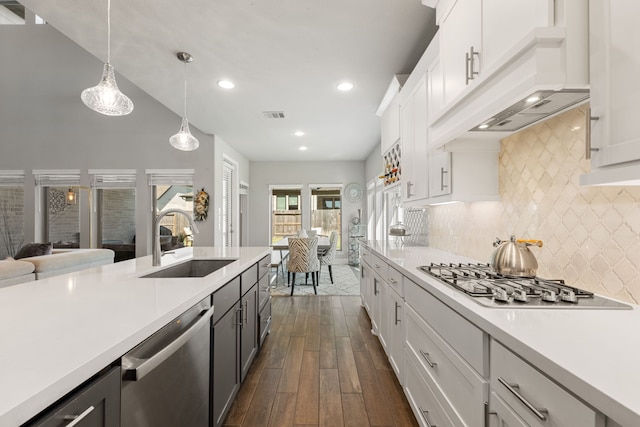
point(201, 205)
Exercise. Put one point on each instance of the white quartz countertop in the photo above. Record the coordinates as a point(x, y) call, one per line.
point(593, 353)
point(56, 333)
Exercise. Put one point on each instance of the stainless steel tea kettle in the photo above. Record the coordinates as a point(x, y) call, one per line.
point(513, 257)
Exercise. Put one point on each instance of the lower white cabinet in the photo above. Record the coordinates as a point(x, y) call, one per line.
point(395, 340)
point(461, 391)
point(531, 396)
point(423, 401)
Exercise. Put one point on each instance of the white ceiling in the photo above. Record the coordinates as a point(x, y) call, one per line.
point(283, 55)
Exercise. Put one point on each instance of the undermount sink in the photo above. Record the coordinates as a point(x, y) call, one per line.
point(191, 268)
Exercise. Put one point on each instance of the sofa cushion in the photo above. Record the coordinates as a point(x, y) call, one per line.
point(70, 260)
point(34, 249)
point(12, 268)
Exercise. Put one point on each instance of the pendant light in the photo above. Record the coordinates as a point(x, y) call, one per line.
point(183, 140)
point(106, 98)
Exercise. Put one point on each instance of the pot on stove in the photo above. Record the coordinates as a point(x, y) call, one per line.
point(513, 258)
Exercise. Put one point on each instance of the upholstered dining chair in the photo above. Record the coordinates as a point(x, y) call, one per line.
point(327, 257)
point(303, 258)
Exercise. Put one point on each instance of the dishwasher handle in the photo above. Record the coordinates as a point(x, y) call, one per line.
point(135, 369)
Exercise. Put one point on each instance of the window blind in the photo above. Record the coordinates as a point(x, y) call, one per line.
point(227, 202)
point(170, 176)
point(11, 178)
point(113, 178)
point(57, 178)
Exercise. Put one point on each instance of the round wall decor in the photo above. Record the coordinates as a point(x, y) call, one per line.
point(353, 192)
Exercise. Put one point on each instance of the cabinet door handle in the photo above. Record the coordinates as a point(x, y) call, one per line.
point(75, 419)
point(426, 357)
point(587, 134)
point(396, 317)
point(266, 265)
point(375, 287)
point(424, 417)
point(241, 324)
point(246, 312)
point(472, 57)
point(513, 388)
point(442, 185)
point(409, 185)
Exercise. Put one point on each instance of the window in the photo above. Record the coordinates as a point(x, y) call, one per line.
point(61, 220)
point(286, 214)
point(326, 211)
point(173, 189)
point(11, 212)
point(115, 196)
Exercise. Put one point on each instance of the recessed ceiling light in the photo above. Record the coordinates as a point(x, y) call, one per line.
point(345, 86)
point(298, 133)
point(226, 84)
point(302, 148)
point(484, 126)
point(534, 98)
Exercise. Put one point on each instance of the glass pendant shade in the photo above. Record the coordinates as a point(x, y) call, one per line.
point(106, 98)
point(183, 140)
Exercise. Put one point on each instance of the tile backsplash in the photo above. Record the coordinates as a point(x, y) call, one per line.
point(591, 235)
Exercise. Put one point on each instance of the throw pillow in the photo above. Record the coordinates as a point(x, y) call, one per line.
point(302, 233)
point(34, 249)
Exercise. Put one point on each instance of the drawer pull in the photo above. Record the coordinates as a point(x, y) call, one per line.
point(513, 388)
point(75, 419)
point(396, 317)
point(424, 417)
point(393, 281)
point(426, 357)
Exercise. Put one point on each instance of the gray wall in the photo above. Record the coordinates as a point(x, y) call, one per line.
point(44, 125)
point(264, 174)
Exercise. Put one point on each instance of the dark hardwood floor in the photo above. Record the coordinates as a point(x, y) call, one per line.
point(321, 366)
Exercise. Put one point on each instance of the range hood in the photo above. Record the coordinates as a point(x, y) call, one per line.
point(535, 107)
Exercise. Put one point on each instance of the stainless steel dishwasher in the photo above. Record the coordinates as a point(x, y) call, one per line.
point(165, 379)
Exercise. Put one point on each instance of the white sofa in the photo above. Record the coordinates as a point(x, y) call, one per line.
point(13, 272)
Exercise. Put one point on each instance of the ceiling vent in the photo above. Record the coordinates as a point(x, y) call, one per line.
point(273, 114)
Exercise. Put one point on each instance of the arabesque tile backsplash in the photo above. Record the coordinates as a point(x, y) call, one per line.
point(591, 235)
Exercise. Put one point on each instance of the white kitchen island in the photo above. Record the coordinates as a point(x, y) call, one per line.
point(58, 332)
point(592, 354)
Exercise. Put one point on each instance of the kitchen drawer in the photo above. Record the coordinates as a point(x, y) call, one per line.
point(249, 278)
point(550, 401)
point(463, 388)
point(264, 291)
point(426, 407)
point(96, 403)
point(264, 266)
point(366, 255)
point(464, 337)
point(225, 298)
point(394, 279)
point(380, 267)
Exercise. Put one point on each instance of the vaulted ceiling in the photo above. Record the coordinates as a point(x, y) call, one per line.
point(283, 55)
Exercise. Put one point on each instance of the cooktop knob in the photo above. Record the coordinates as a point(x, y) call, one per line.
point(549, 296)
point(520, 295)
point(567, 295)
point(500, 295)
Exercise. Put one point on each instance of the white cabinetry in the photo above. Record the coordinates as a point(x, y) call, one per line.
point(413, 113)
point(440, 357)
point(531, 396)
point(460, 41)
point(614, 61)
point(494, 53)
point(389, 112)
point(469, 172)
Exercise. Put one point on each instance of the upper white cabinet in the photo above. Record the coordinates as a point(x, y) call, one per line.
point(460, 45)
point(614, 61)
point(413, 119)
point(389, 112)
point(466, 171)
point(496, 53)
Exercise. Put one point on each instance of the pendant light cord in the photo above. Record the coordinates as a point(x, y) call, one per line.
point(185, 89)
point(108, 31)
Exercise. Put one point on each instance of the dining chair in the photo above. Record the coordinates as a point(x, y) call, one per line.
point(303, 258)
point(327, 257)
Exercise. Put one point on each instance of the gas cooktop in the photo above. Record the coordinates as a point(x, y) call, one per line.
point(495, 290)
